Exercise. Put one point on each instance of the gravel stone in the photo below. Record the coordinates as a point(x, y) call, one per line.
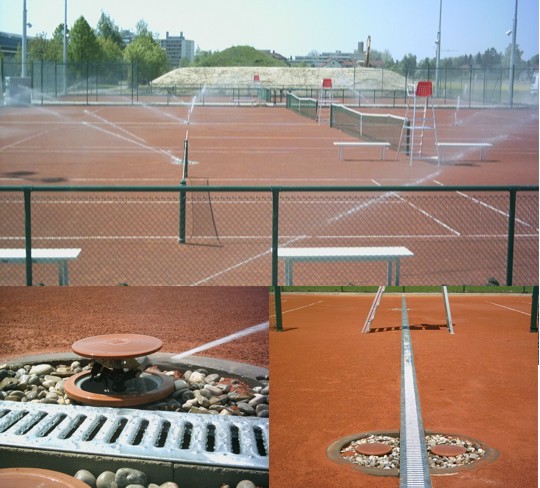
point(86, 477)
point(129, 476)
point(107, 479)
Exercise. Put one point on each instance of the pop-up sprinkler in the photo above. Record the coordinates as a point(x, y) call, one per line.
point(118, 377)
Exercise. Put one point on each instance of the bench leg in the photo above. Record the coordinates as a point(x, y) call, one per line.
point(383, 150)
point(288, 272)
point(389, 272)
point(397, 271)
point(340, 153)
point(63, 279)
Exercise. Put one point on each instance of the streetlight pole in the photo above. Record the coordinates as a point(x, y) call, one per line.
point(512, 56)
point(23, 67)
point(438, 42)
point(64, 58)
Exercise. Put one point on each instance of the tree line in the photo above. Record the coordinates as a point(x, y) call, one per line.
point(105, 44)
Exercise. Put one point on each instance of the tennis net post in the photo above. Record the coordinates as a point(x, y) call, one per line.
point(447, 309)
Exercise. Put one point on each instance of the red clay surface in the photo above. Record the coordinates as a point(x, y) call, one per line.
point(141, 145)
point(39, 320)
point(330, 381)
point(137, 145)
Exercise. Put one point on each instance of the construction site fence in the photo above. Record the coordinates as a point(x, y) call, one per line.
point(212, 235)
point(103, 82)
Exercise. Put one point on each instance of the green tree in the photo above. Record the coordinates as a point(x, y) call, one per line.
point(146, 53)
point(39, 48)
point(57, 44)
point(83, 46)
point(107, 29)
point(491, 58)
point(110, 52)
point(518, 57)
point(238, 56)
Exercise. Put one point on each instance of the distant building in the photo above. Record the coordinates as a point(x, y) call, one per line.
point(336, 59)
point(9, 44)
point(178, 48)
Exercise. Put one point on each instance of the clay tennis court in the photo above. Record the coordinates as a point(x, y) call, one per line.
point(39, 320)
point(143, 146)
point(331, 381)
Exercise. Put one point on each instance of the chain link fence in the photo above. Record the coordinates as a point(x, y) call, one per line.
point(103, 82)
point(233, 236)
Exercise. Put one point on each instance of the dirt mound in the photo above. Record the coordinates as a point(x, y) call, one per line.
point(361, 78)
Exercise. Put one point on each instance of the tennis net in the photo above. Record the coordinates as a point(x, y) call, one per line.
point(376, 127)
point(303, 106)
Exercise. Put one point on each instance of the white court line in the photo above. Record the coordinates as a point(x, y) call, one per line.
point(510, 308)
point(108, 122)
point(25, 139)
point(241, 263)
point(378, 199)
point(173, 158)
point(425, 213)
point(297, 308)
point(487, 205)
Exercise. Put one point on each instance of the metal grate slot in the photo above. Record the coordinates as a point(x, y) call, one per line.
point(119, 427)
point(26, 423)
point(10, 419)
point(139, 432)
point(49, 424)
point(97, 423)
point(259, 438)
point(186, 436)
point(163, 433)
point(235, 440)
point(72, 427)
point(215, 440)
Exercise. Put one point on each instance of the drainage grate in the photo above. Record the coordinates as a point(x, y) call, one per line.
point(228, 441)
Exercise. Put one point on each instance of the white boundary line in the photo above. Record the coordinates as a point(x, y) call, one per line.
point(425, 213)
point(297, 308)
point(510, 308)
point(486, 205)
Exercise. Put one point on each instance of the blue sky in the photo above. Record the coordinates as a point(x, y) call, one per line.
point(298, 27)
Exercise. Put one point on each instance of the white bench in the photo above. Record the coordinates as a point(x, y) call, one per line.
point(481, 145)
point(391, 255)
point(383, 145)
point(248, 101)
point(59, 256)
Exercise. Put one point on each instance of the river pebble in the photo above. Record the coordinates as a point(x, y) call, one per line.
point(391, 461)
point(196, 391)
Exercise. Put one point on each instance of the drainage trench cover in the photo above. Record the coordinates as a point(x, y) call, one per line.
point(228, 441)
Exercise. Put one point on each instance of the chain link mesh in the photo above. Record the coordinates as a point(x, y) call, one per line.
point(132, 238)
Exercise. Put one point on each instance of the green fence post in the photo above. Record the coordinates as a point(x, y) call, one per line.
point(511, 232)
point(279, 315)
point(275, 235)
point(28, 234)
point(275, 245)
point(182, 216)
point(534, 310)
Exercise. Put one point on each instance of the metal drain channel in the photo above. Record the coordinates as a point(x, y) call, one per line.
point(229, 441)
point(414, 472)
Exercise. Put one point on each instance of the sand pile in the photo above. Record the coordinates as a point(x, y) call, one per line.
point(361, 78)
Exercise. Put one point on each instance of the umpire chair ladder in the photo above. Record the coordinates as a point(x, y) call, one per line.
point(423, 119)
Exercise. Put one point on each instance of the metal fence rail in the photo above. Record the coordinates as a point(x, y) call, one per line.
point(231, 235)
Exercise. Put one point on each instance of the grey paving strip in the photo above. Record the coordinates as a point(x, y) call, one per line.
point(414, 467)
